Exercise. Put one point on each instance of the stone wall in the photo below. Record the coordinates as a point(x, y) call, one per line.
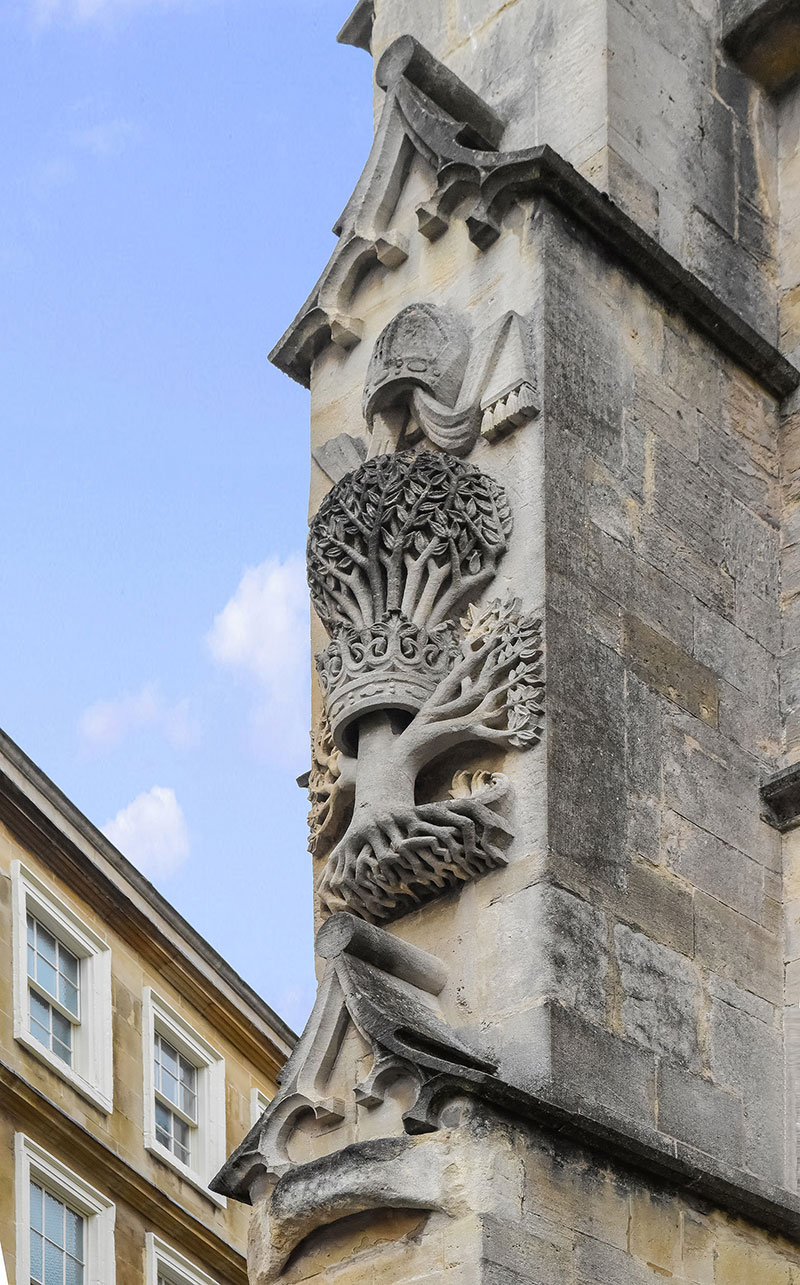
point(580, 1065)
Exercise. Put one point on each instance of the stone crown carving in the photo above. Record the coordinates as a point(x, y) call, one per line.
point(392, 663)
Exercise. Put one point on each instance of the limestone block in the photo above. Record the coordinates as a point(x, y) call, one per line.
point(713, 866)
point(513, 1253)
point(661, 997)
point(715, 257)
point(658, 409)
point(749, 470)
point(565, 959)
point(691, 370)
point(589, 1063)
point(660, 905)
point(655, 1232)
point(625, 578)
point(747, 1056)
point(696, 1111)
point(712, 783)
point(575, 1192)
point(668, 670)
point(586, 749)
point(598, 1263)
point(740, 950)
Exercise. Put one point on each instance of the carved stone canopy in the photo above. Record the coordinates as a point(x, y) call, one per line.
point(387, 990)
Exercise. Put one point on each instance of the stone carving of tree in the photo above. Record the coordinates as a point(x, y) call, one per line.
point(395, 549)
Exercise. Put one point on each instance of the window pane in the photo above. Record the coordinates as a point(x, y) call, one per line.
point(53, 1219)
point(68, 995)
point(68, 964)
point(31, 930)
point(62, 1037)
point(36, 1257)
point(40, 1032)
point(46, 976)
point(53, 1264)
point(74, 1236)
point(163, 1125)
point(169, 1086)
point(183, 1135)
point(188, 1075)
point(74, 1273)
point(189, 1104)
point(46, 944)
point(62, 1029)
point(36, 1207)
point(169, 1058)
point(31, 961)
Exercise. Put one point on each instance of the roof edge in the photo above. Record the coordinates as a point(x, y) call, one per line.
point(40, 783)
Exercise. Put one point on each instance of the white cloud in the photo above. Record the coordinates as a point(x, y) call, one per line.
point(263, 632)
point(105, 139)
point(47, 11)
point(151, 832)
point(107, 723)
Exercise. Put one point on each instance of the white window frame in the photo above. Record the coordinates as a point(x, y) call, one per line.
point(92, 1071)
point(208, 1149)
point(164, 1260)
point(258, 1105)
point(33, 1163)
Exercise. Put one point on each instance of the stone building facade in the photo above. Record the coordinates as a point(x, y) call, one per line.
point(555, 786)
point(132, 1057)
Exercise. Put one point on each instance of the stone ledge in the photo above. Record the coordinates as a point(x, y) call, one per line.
point(780, 795)
point(357, 30)
point(541, 172)
point(763, 36)
point(641, 1147)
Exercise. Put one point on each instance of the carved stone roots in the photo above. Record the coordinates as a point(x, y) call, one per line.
point(396, 548)
point(395, 856)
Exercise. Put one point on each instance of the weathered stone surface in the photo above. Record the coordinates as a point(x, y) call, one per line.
point(711, 783)
point(696, 1111)
point(626, 965)
point(670, 671)
point(748, 1057)
point(737, 948)
point(661, 997)
point(589, 1063)
point(586, 749)
point(661, 906)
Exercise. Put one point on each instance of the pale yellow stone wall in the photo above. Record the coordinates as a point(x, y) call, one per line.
point(555, 1215)
point(120, 1131)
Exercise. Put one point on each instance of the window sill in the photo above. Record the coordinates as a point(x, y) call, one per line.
point(189, 1175)
point(91, 1092)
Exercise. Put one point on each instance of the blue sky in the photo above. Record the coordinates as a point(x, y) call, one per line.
point(171, 173)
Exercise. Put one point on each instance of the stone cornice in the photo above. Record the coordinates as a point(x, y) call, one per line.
point(477, 187)
point(357, 30)
point(763, 36)
point(48, 825)
point(363, 960)
point(30, 1110)
point(673, 1162)
point(780, 795)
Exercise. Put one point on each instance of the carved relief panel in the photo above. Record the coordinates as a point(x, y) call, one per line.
point(400, 553)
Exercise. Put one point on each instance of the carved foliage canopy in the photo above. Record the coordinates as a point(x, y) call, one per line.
point(410, 533)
